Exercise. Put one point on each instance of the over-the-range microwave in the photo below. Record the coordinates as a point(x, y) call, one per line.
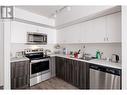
point(36, 38)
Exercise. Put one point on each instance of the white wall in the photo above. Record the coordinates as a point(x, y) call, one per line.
point(124, 47)
point(7, 41)
point(78, 12)
point(107, 48)
point(1, 54)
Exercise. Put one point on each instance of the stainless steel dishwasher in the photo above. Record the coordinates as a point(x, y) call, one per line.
point(104, 77)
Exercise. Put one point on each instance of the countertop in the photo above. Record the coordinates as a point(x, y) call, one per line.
point(16, 59)
point(93, 61)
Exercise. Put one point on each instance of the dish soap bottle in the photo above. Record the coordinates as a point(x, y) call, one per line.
point(98, 54)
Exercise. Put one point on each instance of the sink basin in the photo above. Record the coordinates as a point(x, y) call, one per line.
point(86, 59)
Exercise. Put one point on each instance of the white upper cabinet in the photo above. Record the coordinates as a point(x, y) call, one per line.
point(99, 30)
point(86, 31)
point(114, 27)
point(74, 34)
point(60, 36)
point(105, 29)
point(69, 34)
point(94, 31)
point(63, 35)
point(19, 32)
point(51, 34)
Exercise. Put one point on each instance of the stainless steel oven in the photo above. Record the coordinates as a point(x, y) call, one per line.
point(39, 67)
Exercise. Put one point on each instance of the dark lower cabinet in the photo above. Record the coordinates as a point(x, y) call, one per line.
point(73, 72)
point(60, 66)
point(20, 75)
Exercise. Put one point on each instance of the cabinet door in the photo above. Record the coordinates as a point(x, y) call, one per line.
point(53, 66)
point(19, 31)
point(93, 31)
point(83, 75)
point(69, 70)
point(74, 33)
point(21, 82)
point(60, 67)
point(57, 67)
point(114, 27)
point(69, 34)
point(61, 36)
point(99, 30)
point(75, 73)
point(51, 34)
point(87, 32)
point(20, 75)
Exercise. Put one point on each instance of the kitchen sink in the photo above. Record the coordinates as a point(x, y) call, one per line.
point(86, 59)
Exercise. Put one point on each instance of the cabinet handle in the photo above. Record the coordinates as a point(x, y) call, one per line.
point(104, 39)
point(107, 38)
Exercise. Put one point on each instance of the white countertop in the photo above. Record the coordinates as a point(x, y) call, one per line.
point(16, 59)
point(93, 61)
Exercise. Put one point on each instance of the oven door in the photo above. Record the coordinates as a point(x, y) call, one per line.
point(38, 67)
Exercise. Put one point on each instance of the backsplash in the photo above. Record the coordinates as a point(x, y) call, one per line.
point(107, 48)
point(17, 47)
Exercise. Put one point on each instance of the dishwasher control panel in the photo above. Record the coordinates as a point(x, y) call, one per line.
point(110, 70)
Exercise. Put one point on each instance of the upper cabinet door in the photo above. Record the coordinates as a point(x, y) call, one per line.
point(86, 32)
point(94, 31)
point(63, 36)
point(19, 31)
point(105, 29)
point(51, 34)
point(59, 36)
point(69, 34)
point(114, 27)
point(99, 30)
point(74, 34)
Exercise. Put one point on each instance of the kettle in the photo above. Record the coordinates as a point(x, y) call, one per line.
point(115, 58)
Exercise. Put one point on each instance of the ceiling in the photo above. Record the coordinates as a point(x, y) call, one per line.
point(46, 11)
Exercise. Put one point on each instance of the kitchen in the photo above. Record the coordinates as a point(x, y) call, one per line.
point(65, 48)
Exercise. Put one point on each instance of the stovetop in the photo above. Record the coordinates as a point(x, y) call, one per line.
point(36, 56)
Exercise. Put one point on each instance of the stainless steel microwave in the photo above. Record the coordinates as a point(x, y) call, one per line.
point(36, 38)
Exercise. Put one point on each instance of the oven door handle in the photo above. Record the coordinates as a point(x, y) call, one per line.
point(40, 60)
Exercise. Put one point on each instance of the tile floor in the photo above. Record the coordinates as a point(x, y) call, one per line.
point(54, 83)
